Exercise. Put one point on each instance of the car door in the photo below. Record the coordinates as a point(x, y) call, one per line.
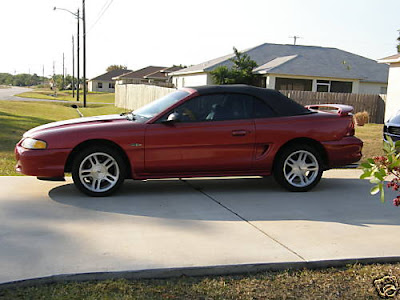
point(213, 133)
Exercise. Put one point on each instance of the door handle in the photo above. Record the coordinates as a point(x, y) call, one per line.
point(239, 132)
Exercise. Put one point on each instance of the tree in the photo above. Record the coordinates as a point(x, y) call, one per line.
point(398, 46)
point(221, 75)
point(241, 71)
point(6, 78)
point(116, 67)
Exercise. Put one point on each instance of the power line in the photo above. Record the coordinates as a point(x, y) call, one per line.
point(101, 13)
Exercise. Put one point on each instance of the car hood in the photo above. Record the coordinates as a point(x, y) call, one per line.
point(78, 121)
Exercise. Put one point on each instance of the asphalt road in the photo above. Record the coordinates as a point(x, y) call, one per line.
point(9, 95)
point(49, 228)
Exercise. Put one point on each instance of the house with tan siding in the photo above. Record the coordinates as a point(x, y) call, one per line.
point(296, 67)
point(105, 82)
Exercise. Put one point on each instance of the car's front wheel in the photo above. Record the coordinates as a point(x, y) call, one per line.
point(298, 168)
point(98, 171)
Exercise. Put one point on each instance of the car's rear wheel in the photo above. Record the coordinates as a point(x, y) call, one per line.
point(298, 168)
point(98, 171)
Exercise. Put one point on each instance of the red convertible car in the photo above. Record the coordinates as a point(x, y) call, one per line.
point(192, 132)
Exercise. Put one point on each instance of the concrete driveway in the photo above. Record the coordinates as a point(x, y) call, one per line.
point(48, 228)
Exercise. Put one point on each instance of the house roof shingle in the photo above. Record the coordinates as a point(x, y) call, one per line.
point(109, 75)
point(162, 74)
point(141, 73)
point(309, 61)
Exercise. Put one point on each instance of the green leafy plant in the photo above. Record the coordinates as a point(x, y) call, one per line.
point(380, 168)
point(240, 73)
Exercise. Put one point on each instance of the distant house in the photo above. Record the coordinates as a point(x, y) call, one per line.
point(393, 92)
point(150, 75)
point(105, 82)
point(305, 68)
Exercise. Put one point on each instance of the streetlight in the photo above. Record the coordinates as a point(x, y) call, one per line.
point(77, 50)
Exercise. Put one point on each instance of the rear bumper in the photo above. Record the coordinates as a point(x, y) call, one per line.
point(41, 163)
point(343, 152)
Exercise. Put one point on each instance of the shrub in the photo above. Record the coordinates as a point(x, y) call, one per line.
point(379, 168)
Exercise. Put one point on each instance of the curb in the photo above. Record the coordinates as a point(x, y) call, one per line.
point(198, 271)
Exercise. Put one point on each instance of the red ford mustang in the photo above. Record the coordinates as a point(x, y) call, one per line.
point(201, 131)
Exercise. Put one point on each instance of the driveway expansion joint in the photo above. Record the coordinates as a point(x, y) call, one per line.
point(200, 190)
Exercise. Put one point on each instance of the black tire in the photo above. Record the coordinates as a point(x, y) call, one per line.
point(98, 171)
point(298, 168)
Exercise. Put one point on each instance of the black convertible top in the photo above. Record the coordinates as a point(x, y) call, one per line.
point(281, 104)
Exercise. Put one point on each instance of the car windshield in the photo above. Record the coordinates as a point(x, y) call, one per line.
point(395, 118)
point(153, 108)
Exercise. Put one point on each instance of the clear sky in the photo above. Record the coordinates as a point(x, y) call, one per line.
point(163, 33)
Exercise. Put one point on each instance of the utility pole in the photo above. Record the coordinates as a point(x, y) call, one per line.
point(73, 68)
point(295, 39)
point(54, 78)
point(43, 75)
point(77, 54)
point(63, 78)
point(84, 52)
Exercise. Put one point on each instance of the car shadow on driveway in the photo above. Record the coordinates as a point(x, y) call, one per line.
point(344, 201)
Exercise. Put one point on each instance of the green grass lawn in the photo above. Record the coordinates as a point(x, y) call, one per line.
point(352, 282)
point(43, 93)
point(18, 117)
point(372, 136)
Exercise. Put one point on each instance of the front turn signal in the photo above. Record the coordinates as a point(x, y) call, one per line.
point(34, 144)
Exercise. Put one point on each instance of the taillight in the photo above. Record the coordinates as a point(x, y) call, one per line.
point(350, 129)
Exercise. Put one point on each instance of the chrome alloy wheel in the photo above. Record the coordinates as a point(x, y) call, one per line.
point(301, 168)
point(99, 172)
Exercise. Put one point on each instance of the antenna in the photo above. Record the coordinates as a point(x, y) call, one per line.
point(295, 38)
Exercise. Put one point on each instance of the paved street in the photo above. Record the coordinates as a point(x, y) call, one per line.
point(48, 228)
point(9, 94)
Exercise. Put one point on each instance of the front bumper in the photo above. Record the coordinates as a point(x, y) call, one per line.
point(343, 152)
point(42, 163)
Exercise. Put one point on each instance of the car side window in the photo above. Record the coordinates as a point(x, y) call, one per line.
point(237, 107)
point(197, 109)
point(262, 110)
point(216, 107)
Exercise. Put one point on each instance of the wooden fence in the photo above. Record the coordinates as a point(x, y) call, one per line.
point(133, 96)
point(373, 104)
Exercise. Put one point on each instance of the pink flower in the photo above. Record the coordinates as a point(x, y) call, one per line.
point(396, 201)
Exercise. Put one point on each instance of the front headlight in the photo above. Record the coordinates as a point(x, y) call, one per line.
point(30, 143)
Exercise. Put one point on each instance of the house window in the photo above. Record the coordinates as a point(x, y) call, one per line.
point(293, 84)
point(323, 85)
point(341, 87)
point(334, 86)
point(111, 85)
point(99, 85)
